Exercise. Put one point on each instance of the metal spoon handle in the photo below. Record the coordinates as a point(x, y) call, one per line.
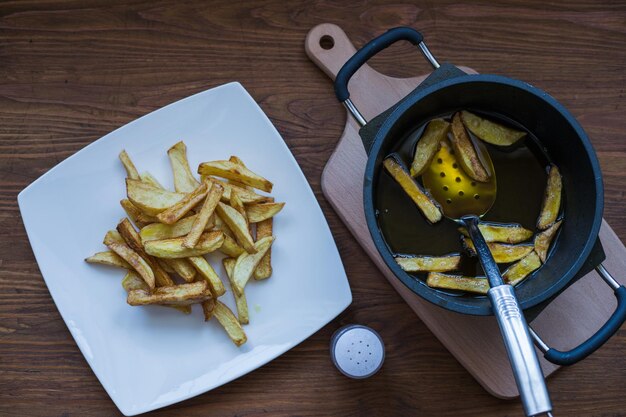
point(519, 346)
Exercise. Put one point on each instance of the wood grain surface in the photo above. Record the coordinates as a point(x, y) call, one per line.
point(72, 71)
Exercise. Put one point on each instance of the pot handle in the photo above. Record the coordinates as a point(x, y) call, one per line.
point(368, 51)
point(600, 337)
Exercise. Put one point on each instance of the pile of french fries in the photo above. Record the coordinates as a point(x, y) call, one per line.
point(165, 260)
point(508, 242)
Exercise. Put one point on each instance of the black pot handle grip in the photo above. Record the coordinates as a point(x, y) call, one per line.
point(600, 337)
point(368, 51)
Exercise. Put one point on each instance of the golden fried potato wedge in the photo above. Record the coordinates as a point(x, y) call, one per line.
point(237, 204)
point(138, 217)
point(184, 181)
point(180, 295)
point(428, 145)
point(501, 232)
point(263, 230)
point(220, 225)
point(240, 300)
point(108, 258)
point(149, 179)
point(429, 208)
point(132, 281)
point(476, 285)
point(166, 267)
point(202, 219)
point(176, 212)
point(131, 171)
point(132, 239)
point(502, 252)
point(247, 263)
point(551, 204)
point(235, 159)
point(465, 151)
point(234, 171)
point(149, 199)
point(544, 239)
point(415, 263)
point(136, 261)
point(208, 307)
point(208, 273)
point(159, 231)
point(237, 224)
point(491, 132)
point(258, 212)
point(112, 236)
point(183, 268)
point(230, 323)
point(173, 248)
point(517, 272)
point(246, 196)
point(230, 247)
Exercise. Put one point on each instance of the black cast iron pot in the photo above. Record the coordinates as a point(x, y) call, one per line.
point(577, 249)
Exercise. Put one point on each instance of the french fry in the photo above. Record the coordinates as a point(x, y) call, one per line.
point(166, 267)
point(159, 231)
point(131, 171)
point(258, 212)
point(490, 132)
point(182, 267)
point(551, 204)
point(204, 215)
point(173, 248)
point(149, 199)
point(136, 261)
point(234, 171)
point(544, 239)
point(247, 263)
point(138, 217)
point(209, 274)
point(415, 263)
point(180, 295)
point(132, 281)
point(502, 252)
point(263, 230)
point(220, 225)
point(501, 232)
point(176, 212)
point(428, 145)
point(208, 307)
point(235, 159)
point(149, 179)
point(240, 300)
point(230, 247)
point(184, 181)
point(237, 204)
point(476, 285)
point(466, 152)
point(112, 236)
point(132, 239)
point(237, 223)
point(517, 272)
point(108, 258)
point(230, 323)
point(429, 208)
point(246, 196)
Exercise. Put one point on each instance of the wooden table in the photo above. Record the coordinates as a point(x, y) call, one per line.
point(70, 72)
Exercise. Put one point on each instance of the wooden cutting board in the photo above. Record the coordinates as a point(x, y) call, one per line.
point(474, 341)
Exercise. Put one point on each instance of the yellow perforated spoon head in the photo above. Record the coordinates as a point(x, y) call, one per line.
point(457, 193)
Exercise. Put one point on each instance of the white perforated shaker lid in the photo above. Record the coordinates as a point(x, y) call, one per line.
point(357, 351)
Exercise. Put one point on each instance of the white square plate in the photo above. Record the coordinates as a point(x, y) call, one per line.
point(150, 357)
